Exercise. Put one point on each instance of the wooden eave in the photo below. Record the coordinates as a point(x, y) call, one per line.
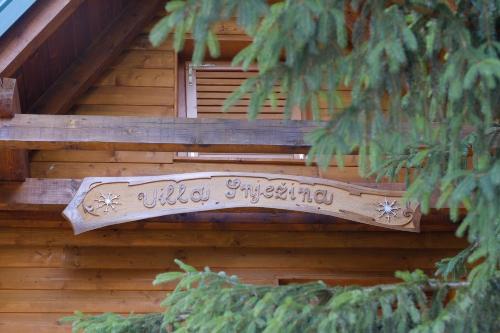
point(77, 78)
point(43, 25)
point(27, 35)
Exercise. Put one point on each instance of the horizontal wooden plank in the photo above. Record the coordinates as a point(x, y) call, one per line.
point(145, 59)
point(224, 30)
point(341, 259)
point(113, 95)
point(102, 156)
point(153, 134)
point(218, 98)
point(204, 95)
point(81, 170)
point(219, 88)
point(221, 81)
point(27, 301)
point(349, 160)
point(229, 27)
point(282, 159)
point(236, 239)
point(242, 110)
point(124, 110)
point(49, 132)
point(352, 260)
point(242, 102)
point(137, 77)
point(231, 79)
point(37, 194)
point(142, 42)
point(141, 279)
point(235, 115)
point(230, 220)
point(138, 279)
point(224, 74)
point(33, 322)
point(31, 256)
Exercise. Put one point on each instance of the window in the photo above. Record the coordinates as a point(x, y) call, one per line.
point(206, 87)
point(11, 11)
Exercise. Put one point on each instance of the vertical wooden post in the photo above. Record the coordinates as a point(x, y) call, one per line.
point(14, 165)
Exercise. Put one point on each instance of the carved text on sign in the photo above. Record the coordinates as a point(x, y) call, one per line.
point(173, 194)
point(106, 201)
point(282, 192)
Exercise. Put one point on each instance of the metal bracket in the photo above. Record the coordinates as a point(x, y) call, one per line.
point(192, 68)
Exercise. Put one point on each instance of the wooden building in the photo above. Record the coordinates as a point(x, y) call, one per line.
point(73, 73)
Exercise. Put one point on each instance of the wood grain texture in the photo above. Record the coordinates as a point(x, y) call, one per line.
point(9, 98)
point(233, 239)
point(124, 110)
point(33, 322)
point(33, 301)
point(151, 59)
point(54, 194)
point(225, 31)
point(162, 258)
point(103, 156)
point(47, 273)
point(101, 202)
point(141, 42)
point(38, 24)
point(119, 95)
point(137, 77)
point(59, 98)
point(153, 134)
point(81, 170)
point(14, 164)
point(267, 220)
point(140, 279)
point(38, 194)
point(65, 46)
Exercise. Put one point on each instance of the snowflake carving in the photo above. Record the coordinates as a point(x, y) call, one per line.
point(388, 209)
point(107, 201)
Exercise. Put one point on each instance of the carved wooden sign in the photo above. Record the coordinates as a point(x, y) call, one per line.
point(101, 202)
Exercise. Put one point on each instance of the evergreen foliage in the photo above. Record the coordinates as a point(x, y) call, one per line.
point(214, 302)
point(425, 78)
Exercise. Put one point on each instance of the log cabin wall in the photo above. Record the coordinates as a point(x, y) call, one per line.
point(46, 272)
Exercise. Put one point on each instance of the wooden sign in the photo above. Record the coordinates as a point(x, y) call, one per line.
point(101, 202)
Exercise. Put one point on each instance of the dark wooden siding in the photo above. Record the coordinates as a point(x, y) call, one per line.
point(63, 47)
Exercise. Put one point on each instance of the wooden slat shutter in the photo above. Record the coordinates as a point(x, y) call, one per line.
point(208, 86)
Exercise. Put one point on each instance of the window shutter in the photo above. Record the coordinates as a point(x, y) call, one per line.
point(208, 86)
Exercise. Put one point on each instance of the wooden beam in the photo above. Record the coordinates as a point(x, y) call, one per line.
point(53, 132)
point(14, 164)
point(50, 132)
point(35, 27)
point(55, 194)
point(59, 98)
point(37, 194)
point(9, 98)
